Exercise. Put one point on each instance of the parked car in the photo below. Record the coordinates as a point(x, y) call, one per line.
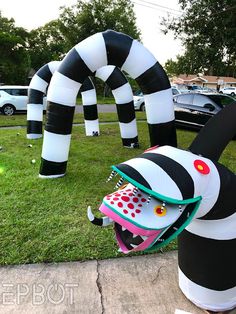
point(194, 110)
point(228, 91)
point(14, 98)
point(139, 103)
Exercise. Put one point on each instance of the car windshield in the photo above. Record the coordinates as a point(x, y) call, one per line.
point(221, 100)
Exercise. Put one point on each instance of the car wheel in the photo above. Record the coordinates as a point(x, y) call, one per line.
point(233, 94)
point(8, 110)
point(142, 107)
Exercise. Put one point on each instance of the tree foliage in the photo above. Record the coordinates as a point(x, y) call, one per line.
point(87, 18)
point(207, 30)
point(14, 62)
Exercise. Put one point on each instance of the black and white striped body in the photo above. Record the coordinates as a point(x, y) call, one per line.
point(37, 89)
point(123, 95)
point(101, 49)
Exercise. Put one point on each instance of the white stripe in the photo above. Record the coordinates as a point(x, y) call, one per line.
point(206, 298)
point(157, 178)
point(104, 72)
point(53, 66)
point(93, 51)
point(35, 112)
point(89, 97)
point(159, 107)
point(220, 229)
point(128, 130)
point(63, 90)
point(123, 94)
point(207, 186)
point(91, 126)
point(38, 83)
point(33, 136)
point(55, 147)
point(139, 60)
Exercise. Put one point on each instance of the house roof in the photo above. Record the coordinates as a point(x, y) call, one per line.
point(183, 78)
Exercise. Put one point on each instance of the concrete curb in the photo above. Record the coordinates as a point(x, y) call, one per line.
point(143, 284)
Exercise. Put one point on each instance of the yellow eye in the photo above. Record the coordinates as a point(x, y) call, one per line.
point(160, 211)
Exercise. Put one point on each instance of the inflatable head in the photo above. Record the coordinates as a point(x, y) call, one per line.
point(165, 186)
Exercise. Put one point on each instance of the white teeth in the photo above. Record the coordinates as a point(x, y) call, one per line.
point(133, 245)
point(123, 228)
point(134, 235)
point(144, 238)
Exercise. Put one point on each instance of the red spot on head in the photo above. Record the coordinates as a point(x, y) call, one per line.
point(120, 204)
point(135, 200)
point(201, 166)
point(112, 202)
point(137, 211)
point(131, 206)
point(115, 198)
point(133, 215)
point(125, 211)
point(151, 148)
point(125, 198)
point(143, 200)
point(140, 205)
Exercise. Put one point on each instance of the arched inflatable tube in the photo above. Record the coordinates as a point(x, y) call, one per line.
point(173, 192)
point(37, 89)
point(101, 49)
point(123, 95)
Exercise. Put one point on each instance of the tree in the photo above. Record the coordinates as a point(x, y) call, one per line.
point(207, 30)
point(14, 62)
point(87, 18)
point(46, 44)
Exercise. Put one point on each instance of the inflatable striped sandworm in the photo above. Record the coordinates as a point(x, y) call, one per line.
point(37, 89)
point(101, 49)
point(123, 95)
point(188, 193)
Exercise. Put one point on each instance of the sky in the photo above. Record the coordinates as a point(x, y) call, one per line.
point(31, 14)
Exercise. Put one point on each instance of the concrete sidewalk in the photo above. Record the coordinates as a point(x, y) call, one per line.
point(143, 284)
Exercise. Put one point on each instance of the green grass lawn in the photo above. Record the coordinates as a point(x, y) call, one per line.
point(43, 220)
point(21, 119)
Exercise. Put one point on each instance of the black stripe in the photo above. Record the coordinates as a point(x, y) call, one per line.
point(175, 171)
point(35, 96)
point(74, 67)
point(207, 262)
point(163, 134)
point(226, 202)
point(117, 42)
point(134, 174)
point(45, 73)
point(49, 168)
point(59, 118)
point(90, 112)
point(116, 79)
point(34, 127)
point(87, 85)
point(153, 80)
point(126, 112)
point(131, 142)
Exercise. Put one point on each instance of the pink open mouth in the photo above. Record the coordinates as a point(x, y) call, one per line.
point(129, 236)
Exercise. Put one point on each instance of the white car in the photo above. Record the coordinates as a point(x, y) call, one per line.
point(14, 98)
point(228, 90)
point(139, 103)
